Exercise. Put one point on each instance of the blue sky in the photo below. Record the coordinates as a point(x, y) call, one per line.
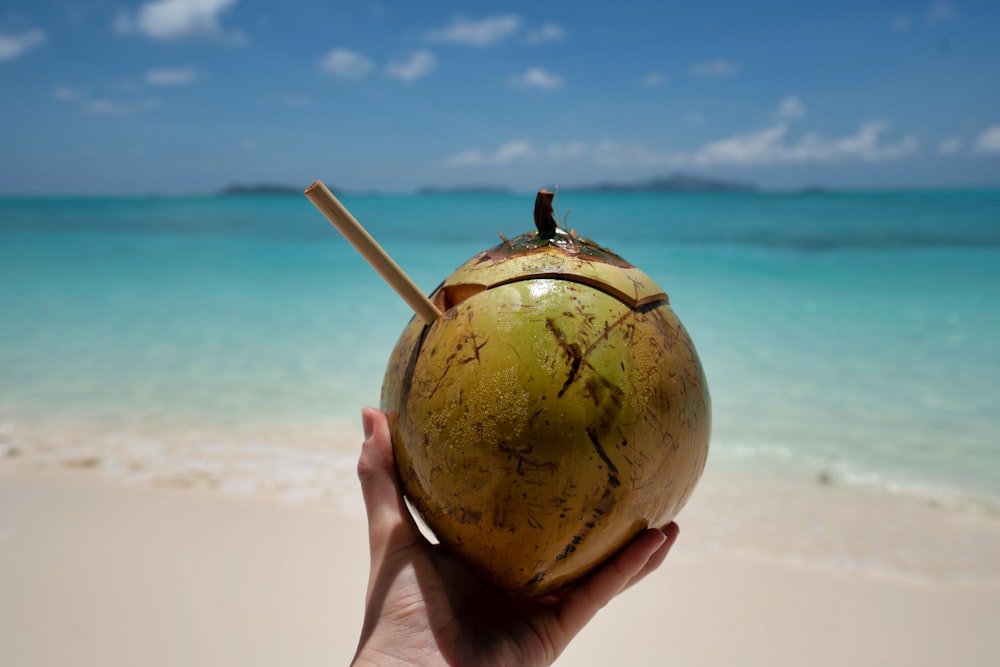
point(178, 96)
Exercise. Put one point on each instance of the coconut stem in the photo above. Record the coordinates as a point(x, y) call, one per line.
point(544, 220)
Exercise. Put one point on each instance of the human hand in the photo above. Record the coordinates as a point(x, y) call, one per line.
point(424, 607)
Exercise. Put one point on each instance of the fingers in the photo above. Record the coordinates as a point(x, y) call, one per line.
point(389, 523)
point(671, 531)
point(640, 557)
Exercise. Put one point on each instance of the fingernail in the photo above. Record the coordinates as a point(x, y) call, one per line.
point(367, 423)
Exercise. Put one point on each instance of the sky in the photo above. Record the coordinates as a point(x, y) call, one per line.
point(188, 96)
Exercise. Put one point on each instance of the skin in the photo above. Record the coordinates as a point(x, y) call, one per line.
point(423, 607)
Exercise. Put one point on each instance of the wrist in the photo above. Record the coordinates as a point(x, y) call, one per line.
point(369, 656)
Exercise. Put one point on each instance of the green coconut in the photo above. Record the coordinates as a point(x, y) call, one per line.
point(556, 409)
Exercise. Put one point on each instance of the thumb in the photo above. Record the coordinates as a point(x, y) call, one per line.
point(390, 526)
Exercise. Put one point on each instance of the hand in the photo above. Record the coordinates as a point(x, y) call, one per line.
point(425, 608)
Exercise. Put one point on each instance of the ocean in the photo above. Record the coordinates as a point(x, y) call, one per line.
point(851, 340)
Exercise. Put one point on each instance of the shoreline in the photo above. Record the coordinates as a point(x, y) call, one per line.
point(757, 514)
point(102, 573)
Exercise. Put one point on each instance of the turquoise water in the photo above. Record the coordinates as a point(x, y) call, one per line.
point(848, 336)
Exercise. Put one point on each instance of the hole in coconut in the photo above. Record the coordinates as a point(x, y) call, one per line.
point(450, 296)
point(631, 301)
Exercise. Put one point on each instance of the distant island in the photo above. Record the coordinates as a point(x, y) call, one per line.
point(261, 189)
point(674, 183)
point(465, 190)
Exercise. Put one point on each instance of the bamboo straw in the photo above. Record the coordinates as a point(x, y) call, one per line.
point(357, 236)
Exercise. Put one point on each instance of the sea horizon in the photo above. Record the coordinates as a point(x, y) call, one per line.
point(477, 189)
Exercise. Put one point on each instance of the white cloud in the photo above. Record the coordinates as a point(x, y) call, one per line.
point(760, 146)
point(420, 64)
point(572, 151)
point(714, 69)
point(988, 141)
point(486, 32)
point(653, 80)
point(901, 23)
point(511, 152)
point(175, 19)
point(103, 105)
point(67, 94)
point(767, 146)
point(536, 77)
point(950, 146)
point(941, 11)
point(550, 32)
point(346, 64)
point(15, 45)
point(790, 108)
point(470, 158)
point(171, 76)
point(519, 150)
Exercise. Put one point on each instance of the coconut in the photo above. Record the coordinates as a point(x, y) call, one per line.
point(556, 409)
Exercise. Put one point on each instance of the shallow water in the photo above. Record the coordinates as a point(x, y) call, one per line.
point(848, 339)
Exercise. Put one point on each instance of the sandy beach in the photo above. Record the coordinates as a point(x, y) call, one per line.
point(94, 572)
point(179, 425)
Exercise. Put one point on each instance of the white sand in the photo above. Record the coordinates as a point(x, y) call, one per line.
point(96, 573)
